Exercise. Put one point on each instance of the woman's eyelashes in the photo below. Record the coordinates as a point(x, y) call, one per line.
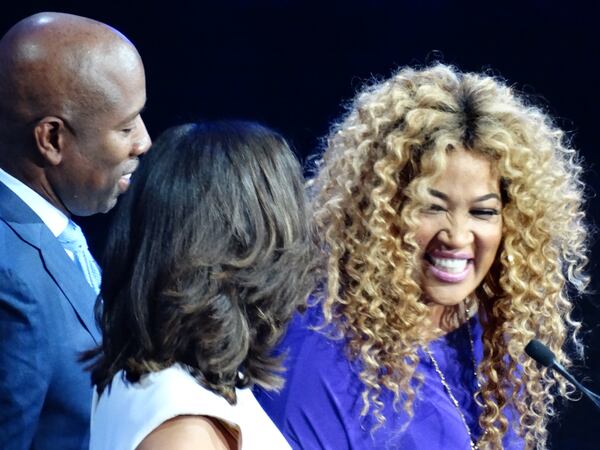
point(433, 208)
point(484, 212)
point(477, 212)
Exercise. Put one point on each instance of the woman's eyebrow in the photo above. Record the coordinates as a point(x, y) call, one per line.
point(438, 194)
point(487, 196)
point(444, 197)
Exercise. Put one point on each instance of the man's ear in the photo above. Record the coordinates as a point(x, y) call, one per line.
point(49, 139)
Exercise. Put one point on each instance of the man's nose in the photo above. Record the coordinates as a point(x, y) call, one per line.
point(143, 141)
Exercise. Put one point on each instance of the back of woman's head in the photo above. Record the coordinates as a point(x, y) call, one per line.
point(209, 254)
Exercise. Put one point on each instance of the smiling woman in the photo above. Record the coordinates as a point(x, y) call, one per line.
point(460, 231)
point(451, 216)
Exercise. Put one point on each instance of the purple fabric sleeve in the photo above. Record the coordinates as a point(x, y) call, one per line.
point(320, 404)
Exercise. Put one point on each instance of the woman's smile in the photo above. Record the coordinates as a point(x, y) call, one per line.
point(461, 229)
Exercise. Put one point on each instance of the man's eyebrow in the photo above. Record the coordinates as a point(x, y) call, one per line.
point(133, 116)
point(483, 198)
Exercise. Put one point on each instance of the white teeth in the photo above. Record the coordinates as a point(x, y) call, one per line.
point(450, 265)
point(127, 177)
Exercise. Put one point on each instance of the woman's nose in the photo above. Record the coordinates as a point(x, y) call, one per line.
point(456, 234)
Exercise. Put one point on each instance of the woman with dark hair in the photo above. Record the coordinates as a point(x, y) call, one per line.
point(209, 254)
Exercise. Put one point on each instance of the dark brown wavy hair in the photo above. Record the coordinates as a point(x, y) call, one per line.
point(210, 252)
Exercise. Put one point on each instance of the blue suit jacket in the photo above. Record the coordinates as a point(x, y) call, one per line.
point(46, 320)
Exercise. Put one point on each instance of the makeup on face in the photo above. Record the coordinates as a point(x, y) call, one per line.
point(460, 229)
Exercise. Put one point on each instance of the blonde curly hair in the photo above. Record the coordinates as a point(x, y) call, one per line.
point(368, 194)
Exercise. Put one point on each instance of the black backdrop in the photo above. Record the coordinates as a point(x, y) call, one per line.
point(291, 64)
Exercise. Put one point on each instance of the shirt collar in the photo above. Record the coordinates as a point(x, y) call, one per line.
point(54, 219)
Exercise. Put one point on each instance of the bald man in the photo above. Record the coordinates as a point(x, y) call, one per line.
point(71, 93)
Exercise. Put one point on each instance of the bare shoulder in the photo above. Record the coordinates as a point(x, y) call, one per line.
point(190, 433)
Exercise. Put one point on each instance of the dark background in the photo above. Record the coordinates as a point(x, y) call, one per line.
point(291, 65)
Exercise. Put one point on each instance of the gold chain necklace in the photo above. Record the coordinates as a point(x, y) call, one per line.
point(474, 445)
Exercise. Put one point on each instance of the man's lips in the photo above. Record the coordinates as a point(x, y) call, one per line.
point(124, 182)
point(126, 177)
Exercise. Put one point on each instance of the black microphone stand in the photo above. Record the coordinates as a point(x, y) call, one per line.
point(543, 355)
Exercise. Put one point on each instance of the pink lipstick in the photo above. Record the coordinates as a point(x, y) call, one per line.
point(448, 277)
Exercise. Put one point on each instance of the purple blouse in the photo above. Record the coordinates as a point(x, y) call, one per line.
point(319, 406)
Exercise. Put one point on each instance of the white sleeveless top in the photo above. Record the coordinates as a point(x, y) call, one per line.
point(127, 412)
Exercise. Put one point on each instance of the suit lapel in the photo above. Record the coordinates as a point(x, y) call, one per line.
point(70, 280)
point(67, 276)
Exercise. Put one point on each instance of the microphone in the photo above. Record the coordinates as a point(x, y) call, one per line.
point(543, 355)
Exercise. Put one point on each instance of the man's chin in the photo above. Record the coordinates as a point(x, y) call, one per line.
point(110, 205)
point(107, 205)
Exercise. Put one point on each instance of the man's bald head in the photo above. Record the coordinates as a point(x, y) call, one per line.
point(66, 84)
point(49, 66)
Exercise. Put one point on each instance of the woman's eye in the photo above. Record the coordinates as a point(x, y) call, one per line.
point(435, 208)
point(485, 212)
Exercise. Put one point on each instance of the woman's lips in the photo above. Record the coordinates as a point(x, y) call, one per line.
point(448, 269)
